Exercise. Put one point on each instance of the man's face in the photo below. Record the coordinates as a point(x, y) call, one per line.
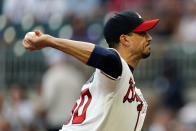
point(140, 44)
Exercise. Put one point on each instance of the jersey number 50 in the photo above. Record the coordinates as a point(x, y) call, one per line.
point(79, 119)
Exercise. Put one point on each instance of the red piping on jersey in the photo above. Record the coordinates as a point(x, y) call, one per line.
point(137, 120)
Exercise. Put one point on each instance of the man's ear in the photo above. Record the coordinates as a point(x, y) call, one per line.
point(123, 40)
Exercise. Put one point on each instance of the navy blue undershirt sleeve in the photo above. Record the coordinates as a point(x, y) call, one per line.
point(106, 60)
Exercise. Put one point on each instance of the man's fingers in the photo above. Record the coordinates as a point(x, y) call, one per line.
point(31, 40)
point(27, 44)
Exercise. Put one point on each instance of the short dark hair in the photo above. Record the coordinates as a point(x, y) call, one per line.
point(112, 36)
point(119, 24)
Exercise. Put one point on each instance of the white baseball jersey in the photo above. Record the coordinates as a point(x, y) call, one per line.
point(108, 104)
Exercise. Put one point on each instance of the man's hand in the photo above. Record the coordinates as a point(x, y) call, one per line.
point(35, 40)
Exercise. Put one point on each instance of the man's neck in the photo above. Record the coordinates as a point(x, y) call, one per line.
point(131, 59)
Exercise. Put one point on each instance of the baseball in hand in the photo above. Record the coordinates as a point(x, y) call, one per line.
point(30, 35)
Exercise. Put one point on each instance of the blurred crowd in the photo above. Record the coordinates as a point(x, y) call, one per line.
point(46, 104)
point(177, 17)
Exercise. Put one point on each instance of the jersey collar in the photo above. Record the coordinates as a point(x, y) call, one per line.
point(131, 68)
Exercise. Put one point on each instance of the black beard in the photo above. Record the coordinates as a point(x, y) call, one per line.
point(144, 56)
